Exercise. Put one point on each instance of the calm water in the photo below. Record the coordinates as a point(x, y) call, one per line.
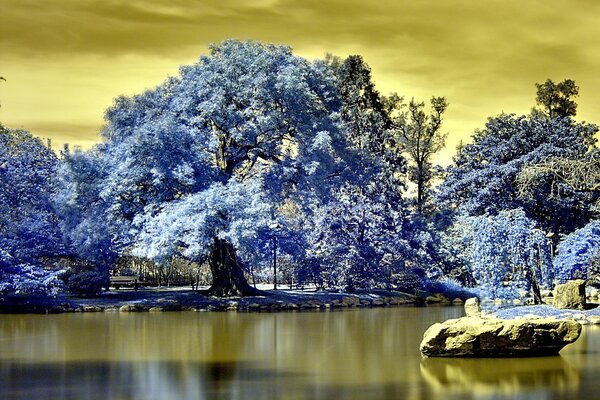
point(354, 354)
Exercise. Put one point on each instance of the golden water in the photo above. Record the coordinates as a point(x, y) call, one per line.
point(353, 354)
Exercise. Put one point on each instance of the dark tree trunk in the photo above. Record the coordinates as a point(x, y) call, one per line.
point(228, 278)
point(535, 287)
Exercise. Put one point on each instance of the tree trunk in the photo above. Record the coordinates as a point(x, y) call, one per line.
point(535, 287)
point(228, 278)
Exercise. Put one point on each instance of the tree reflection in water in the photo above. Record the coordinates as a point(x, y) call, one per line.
point(354, 354)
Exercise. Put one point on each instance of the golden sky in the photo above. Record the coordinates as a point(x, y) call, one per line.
point(65, 60)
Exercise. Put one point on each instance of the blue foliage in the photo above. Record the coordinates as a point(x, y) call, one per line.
point(505, 253)
point(215, 153)
point(29, 229)
point(86, 282)
point(482, 178)
point(576, 252)
point(28, 224)
point(449, 287)
point(25, 279)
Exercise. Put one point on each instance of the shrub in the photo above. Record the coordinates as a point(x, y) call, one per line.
point(450, 288)
point(86, 283)
point(578, 254)
point(28, 279)
point(408, 281)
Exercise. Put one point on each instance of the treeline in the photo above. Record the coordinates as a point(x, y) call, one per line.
point(253, 156)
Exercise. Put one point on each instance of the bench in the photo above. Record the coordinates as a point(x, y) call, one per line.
point(118, 281)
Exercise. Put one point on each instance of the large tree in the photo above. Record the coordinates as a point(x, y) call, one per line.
point(484, 176)
point(200, 165)
point(28, 224)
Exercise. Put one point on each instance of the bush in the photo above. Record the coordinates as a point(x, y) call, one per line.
point(408, 281)
point(578, 254)
point(450, 288)
point(25, 279)
point(86, 283)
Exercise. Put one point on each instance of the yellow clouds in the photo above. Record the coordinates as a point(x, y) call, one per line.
point(65, 60)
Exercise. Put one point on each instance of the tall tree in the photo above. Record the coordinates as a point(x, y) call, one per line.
point(357, 234)
point(556, 99)
point(198, 166)
point(420, 137)
point(483, 177)
point(28, 224)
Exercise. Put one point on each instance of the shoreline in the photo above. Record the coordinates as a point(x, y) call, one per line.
point(156, 300)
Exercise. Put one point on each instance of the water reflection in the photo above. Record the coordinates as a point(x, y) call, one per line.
point(356, 354)
point(505, 375)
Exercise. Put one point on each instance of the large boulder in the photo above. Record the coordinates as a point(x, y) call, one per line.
point(570, 295)
point(494, 337)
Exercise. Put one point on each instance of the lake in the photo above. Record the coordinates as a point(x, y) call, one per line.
point(351, 354)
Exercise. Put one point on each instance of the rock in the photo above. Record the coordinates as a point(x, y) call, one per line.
point(377, 303)
point(457, 301)
point(350, 301)
point(92, 309)
point(472, 307)
point(394, 301)
point(570, 295)
point(594, 293)
point(493, 337)
point(531, 317)
point(128, 308)
point(437, 298)
point(594, 319)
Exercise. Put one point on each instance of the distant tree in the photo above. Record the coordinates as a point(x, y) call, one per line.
point(556, 99)
point(420, 137)
point(483, 178)
point(82, 209)
point(198, 166)
point(578, 254)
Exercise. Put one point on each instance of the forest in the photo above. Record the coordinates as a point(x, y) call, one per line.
point(253, 156)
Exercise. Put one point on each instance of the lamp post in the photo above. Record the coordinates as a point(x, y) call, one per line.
point(275, 227)
point(550, 237)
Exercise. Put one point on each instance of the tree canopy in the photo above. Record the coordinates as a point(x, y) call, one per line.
point(199, 165)
point(28, 224)
point(483, 177)
point(556, 99)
